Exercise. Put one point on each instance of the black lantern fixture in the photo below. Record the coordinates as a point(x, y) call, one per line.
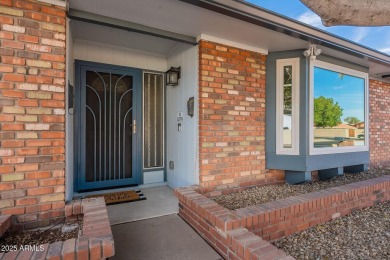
point(173, 76)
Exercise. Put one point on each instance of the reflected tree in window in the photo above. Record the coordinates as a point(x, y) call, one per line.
point(327, 113)
point(287, 96)
point(351, 120)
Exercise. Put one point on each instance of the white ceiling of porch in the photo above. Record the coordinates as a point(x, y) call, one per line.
point(117, 37)
point(179, 17)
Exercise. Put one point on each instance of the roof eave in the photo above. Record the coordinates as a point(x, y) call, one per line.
point(253, 14)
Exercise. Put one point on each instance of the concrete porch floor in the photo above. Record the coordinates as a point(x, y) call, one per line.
point(151, 229)
point(167, 238)
point(160, 201)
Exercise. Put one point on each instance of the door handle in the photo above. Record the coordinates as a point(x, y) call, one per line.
point(134, 126)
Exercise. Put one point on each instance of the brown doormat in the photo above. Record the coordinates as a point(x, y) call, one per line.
point(121, 196)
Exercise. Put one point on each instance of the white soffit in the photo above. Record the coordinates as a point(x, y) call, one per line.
point(61, 3)
point(230, 43)
point(112, 36)
point(186, 19)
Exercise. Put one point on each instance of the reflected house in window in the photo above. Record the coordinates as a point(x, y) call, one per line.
point(338, 136)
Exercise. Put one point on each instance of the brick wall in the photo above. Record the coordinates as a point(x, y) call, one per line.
point(276, 219)
point(231, 118)
point(32, 108)
point(379, 123)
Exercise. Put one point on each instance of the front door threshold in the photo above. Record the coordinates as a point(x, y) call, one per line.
point(79, 195)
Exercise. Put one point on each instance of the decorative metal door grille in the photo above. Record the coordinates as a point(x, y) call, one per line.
point(153, 120)
point(109, 126)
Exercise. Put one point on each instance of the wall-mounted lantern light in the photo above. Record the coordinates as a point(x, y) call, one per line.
point(173, 76)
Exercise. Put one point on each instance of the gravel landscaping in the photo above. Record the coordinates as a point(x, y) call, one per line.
point(12, 241)
point(260, 195)
point(364, 234)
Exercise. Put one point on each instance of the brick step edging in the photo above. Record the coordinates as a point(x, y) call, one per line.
point(95, 243)
point(279, 218)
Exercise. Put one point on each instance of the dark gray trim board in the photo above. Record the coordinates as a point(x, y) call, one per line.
point(315, 162)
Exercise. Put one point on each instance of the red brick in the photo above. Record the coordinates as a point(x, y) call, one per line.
point(13, 60)
point(52, 135)
point(58, 205)
point(25, 158)
point(52, 103)
point(6, 186)
point(13, 77)
point(51, 57)
point(38, 16)
point(28, 103)
point(13, 211)
point(38, 208)
point(6, 169)
point(38, 143)
point(68, 249)
point(26, 167)
point(82, 248)
point(6, 20)
point(7, 118)
point(6, 35)
point(12, 143)
point(26, 201)
point(56, 150)
point(38, 175)
point(26, 184)
point(13, 93)
point(28, 38)
point(58, 96)
point(27, 151)
point(13, 44)
point(38, 79)
point(39, 191)
point(379, 93)
point(6, 2)
point(6, 52)
point(108, 248)
point(52, 11)
point(4, 68)
point(53, 119)
point(27, 5)
point(12, 127)
point(6, 85)
point(13, 160)
point(219, 64)
point(95, 249)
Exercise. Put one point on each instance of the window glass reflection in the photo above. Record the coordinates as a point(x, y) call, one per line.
point(287, 106)
point(338, 109)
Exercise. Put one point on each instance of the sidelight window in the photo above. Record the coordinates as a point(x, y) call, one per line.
point(153, 120)
point(287, 106)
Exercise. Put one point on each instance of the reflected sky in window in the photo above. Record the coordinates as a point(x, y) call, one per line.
point(347, 90)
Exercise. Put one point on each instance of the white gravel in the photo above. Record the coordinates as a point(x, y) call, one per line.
point(361, 235)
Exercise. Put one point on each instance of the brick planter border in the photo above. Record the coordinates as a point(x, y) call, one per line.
point(243, 233)
point(96, 241)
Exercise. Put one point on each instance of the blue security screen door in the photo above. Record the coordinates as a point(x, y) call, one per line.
point(109, 126)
